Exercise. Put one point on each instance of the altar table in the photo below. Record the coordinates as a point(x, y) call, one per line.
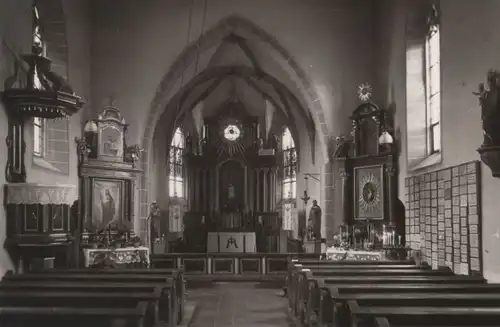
point(336, 254)
point(232, 242)
point(130, 256)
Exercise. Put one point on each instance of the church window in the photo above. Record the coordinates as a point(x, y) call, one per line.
point(176, 163)
point(289, 166)
point(38, 136)
point(433, 88)
point(38, 123)
point(423, 95)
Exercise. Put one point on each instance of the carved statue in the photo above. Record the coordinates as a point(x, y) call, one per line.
point(189, 143)
point(314, 222)
point(490, 108)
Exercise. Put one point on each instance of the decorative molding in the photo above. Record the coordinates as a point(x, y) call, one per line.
point(29, 193)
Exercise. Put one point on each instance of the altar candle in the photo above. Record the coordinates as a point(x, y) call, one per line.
point(399, 239)
point(393, 238)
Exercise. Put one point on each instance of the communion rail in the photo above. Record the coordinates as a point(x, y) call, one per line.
point(229, 264)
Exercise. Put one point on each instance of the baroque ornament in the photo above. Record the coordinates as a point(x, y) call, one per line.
point(365, 92)
point(489, 99)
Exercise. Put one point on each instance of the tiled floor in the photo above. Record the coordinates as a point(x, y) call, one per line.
point(238, 305)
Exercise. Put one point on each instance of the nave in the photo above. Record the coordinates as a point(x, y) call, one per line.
point(313, 293)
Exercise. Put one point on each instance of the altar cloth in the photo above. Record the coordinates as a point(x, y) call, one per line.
point(336, 254)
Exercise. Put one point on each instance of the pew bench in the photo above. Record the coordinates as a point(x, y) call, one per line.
point(299, 286)
point(306, 304)
point(177, 274)
point(83, 299)
point(108, 279)
point(342, 316)
point(353, 262)
point(334, 298)
point(295, 265)
point(27, 316)
point(366, 316)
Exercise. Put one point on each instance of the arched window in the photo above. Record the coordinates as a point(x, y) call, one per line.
point(423, 89)
point(289, 166)
point(38, 123)
point(433, 84)
point(176, 163)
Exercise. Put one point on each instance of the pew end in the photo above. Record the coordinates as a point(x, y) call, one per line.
point(382, 322)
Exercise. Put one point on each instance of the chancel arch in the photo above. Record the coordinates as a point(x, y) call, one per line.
point(230, 54)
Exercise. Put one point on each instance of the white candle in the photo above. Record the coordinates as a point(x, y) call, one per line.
point(393, 239)
point(399, 239)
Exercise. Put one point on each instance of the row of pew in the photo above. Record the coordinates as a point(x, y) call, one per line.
point(387, 294)
point(138, 297)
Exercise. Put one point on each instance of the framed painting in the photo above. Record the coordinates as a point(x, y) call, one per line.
point(107, 204)
point(369, 192)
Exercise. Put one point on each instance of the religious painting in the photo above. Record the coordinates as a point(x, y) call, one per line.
point(106, 204)
point(111, 141)
point(369, 192)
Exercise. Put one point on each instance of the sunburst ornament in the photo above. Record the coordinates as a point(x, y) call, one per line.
point(365, 92)
point(369, 193)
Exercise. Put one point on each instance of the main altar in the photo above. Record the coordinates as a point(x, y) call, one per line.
point(231, 168)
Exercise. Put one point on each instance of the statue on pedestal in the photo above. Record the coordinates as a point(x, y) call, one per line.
point(314, 222)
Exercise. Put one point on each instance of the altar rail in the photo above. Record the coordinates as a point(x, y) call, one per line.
point(242, 264)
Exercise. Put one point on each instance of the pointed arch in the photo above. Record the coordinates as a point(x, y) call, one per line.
point(304, 92)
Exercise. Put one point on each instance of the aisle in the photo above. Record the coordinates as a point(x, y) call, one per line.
point(238, 304)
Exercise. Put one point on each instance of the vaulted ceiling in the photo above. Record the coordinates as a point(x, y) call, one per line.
point(238, 68)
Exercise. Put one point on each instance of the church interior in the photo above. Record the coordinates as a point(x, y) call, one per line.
point(249, 163)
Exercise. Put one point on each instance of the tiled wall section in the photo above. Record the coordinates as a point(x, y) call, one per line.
point(443, 217)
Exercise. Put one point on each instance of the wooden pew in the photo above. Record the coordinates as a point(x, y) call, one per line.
point(165, 302)
point(334, 298)
point(295, 265)
point(83, 299)
point(353, 262)
point(177, 274)
point(296, 276)
point(155, 280)
point(365, 316)
point(343, 316)
point(76, 317)
point(307, 298)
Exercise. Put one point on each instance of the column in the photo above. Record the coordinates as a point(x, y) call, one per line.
point(344, 176)
point(251, 189)
point(199, 189)
point(391, 172)
point(265, 190)
point(257, 193)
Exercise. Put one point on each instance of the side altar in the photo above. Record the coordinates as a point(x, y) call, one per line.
point(107, 178)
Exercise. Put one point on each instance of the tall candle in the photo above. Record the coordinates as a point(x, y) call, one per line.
point(393, 239)
point(399, 239)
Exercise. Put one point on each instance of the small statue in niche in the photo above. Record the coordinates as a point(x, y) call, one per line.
point(273, 142)
point(490, 108)
point(313, 231)
point(231, 193)
point(189, 143)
